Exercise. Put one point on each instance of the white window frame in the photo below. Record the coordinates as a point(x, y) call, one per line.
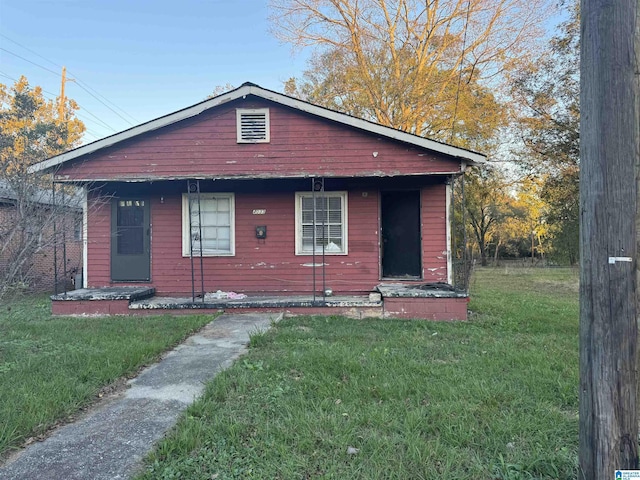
point(78, 228)
point(252, 111)
point(186, 243)
point(345, 222)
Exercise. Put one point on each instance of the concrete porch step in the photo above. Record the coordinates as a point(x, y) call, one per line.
point(106, 293)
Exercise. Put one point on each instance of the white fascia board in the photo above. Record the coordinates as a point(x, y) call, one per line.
point(250, 89)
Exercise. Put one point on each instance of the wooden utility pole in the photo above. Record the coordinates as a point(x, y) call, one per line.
point(609, 150)
point(61, 104)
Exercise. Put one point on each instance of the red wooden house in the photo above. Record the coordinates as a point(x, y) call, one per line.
point(261, 194)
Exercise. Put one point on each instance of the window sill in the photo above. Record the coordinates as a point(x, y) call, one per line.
point(197, 254)
point(326, 254)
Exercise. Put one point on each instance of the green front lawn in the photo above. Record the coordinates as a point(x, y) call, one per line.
point(318, 397)
point(50, 368)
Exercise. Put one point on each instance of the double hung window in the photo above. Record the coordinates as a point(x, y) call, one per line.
point(211, 228)
point(321, 223)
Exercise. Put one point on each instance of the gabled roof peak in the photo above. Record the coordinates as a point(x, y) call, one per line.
point(249, 88)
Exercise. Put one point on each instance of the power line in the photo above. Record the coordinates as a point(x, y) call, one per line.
point(7, 76)
point(53, 96)
point(29, 50)
point(81, 84)
point(78, 81)
point(103, 103)
point(99, 120)
point(29, 61)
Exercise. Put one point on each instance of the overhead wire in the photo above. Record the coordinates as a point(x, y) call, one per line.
point(83, 85)
point(87, 86)
point(103, 103)
point(31, 51)
point(29, 61)
point(2, 74)
point(53, 96)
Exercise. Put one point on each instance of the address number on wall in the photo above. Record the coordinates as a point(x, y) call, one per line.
point(259, 211)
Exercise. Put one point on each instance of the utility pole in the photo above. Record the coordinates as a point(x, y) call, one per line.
point(609, 151)
point(62, 102)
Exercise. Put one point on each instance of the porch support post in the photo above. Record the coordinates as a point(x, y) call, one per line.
point(448, 217)
point(85, 243)
point(55, 240)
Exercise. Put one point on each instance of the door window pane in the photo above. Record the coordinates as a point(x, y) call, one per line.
point(130, 227)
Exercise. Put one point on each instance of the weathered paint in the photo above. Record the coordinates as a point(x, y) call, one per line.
point(408, 308)
point(301, 145)
point(434, 238)
point(426, 308)
point(268, 265)
point(467, 157)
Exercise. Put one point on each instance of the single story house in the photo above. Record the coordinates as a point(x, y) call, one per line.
point(257, 193)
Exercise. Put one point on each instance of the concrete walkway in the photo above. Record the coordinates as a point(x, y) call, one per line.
point(110, 441)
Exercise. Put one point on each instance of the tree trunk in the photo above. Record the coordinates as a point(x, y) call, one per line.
point(483, 253)
point(609, 151)
point(533, 248)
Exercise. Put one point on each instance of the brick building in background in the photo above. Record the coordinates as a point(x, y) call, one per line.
point(35, 230)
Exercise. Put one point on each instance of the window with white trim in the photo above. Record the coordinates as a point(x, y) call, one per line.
point(252, 125)
point(212, 225)
point(321, 221)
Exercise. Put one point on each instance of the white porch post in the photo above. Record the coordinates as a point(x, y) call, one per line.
point(85, 219)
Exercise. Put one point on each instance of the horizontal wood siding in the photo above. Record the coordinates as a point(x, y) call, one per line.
point(300, 145)
point(434, 233)
point(269, 265)
point(259, 265)
point(98, 241)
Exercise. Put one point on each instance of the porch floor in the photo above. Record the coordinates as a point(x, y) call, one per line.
point(429, 301)
point(105, 293)
point(298, 301)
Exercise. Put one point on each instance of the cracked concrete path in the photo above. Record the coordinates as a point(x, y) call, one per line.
point(110, 440)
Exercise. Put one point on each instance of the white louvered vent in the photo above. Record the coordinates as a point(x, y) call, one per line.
point(253, 125)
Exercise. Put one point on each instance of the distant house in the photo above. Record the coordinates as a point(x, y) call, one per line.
point(262, 194)
point(29, 244)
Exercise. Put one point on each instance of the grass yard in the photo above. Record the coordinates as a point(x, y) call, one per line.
point(316, 397)
point(50, 368)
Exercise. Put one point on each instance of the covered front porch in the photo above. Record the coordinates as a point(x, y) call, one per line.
point(425, 301)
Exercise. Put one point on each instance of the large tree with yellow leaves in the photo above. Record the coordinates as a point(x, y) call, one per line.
point(32, 129)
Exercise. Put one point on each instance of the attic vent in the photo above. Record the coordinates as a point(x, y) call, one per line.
point(253, 125)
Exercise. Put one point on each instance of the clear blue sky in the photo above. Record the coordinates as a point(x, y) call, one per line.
point(146, 58)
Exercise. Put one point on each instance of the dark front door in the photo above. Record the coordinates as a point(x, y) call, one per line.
point(401, 252)
point(130, 240)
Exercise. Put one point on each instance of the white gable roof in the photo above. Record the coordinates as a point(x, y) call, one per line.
point(251, 89)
